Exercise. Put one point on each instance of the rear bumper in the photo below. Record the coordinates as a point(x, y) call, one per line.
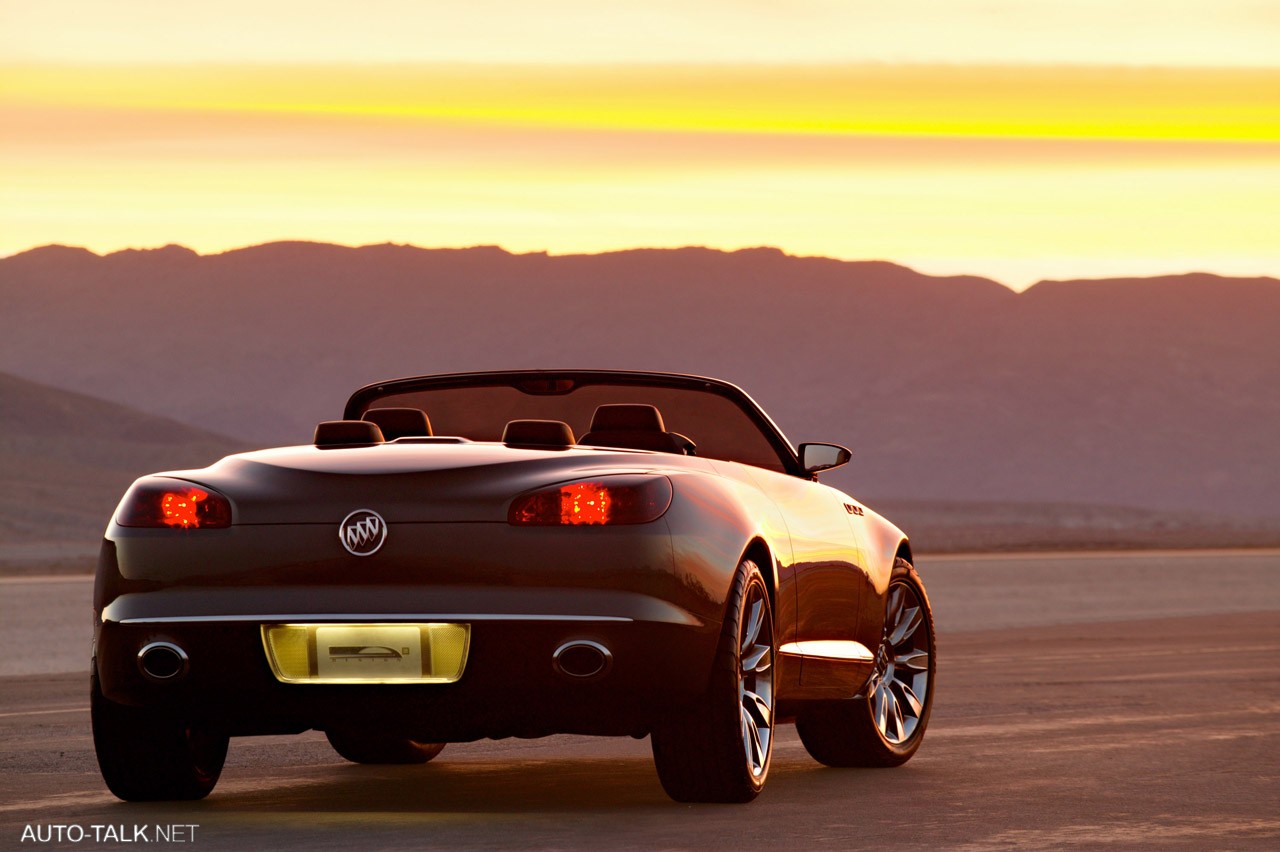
point(623, 592)
point(509, 687)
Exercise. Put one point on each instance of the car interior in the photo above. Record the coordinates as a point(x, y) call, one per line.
point(625, 426)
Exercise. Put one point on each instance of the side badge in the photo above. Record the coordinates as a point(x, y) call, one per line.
point(362, 532)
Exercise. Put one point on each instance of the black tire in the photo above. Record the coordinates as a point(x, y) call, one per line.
point(148, 755)
point(720, 751)
point(360, 747)
point(850, 733)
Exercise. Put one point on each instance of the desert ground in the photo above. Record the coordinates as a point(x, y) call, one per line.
point(1084, 700)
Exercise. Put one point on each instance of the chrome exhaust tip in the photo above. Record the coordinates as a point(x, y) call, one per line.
point(163, 662)
point(582, 659)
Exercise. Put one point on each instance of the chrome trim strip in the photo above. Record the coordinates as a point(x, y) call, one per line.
point(358, 617)
point(829, 649)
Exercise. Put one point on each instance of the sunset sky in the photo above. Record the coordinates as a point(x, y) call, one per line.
point(1011, 138)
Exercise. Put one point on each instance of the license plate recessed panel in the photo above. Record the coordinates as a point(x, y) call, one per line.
point(367, 653)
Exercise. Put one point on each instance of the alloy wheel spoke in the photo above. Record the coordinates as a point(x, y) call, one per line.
point(755, 679)
point(757, 660)
point(901, 680)
point(880, 706)
point(751, 742)
point(757, 707)
point(913, 660)
point(757, 748)
point(894, 720)
point(913, 702)
point(911, 621)
point(754, 622)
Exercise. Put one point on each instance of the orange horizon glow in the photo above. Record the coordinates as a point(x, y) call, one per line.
point(1017, 173)
point(1196, 104)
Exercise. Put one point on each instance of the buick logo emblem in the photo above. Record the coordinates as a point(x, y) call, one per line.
point(362, 532)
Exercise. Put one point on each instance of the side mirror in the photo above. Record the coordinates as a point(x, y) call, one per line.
point(818, 457)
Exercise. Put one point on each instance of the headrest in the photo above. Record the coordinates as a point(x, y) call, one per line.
point(538, 433)
point(633, 439)
point(400, 422)
point(627, 418)
point(344, 433)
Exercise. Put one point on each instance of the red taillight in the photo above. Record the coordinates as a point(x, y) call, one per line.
point(635, 499)
point(175, 504)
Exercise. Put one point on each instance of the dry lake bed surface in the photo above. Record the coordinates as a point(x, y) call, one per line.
point(1090, 700)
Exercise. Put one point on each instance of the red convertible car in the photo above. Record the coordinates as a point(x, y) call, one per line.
point(511, 554)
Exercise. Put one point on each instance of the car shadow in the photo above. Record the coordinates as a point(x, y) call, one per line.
point(568, 785)
point(466, 787)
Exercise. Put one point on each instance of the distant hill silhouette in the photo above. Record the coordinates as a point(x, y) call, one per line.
point(66, 459)
point(1158, 393)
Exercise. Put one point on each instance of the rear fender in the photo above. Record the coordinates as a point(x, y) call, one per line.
point(715, 523)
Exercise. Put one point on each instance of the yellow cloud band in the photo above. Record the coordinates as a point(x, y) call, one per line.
point(1023, 102)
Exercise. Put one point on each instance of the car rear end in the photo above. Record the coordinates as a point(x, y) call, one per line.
point(342, 591)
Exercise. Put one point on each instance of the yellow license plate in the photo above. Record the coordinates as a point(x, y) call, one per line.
point(366, 653)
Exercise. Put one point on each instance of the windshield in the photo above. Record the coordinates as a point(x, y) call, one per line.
point(721, 426)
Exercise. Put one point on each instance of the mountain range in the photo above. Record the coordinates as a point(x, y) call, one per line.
point(1160, 394)
point(65, 461)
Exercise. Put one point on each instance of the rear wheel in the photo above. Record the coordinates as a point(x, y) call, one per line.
point(149, 755)
point(884, 726)
point(360, 747)
point(719, 752)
